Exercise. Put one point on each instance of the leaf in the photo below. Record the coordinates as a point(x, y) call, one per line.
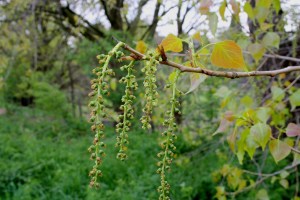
point(196, 79)
point(271, 39)
point(249, 10)
point(197, 37)
point(284, 183)
point(257, 51)
point(279, 150)
point(227, 54)
point(261, 133)
point(222, 10)
point(213, 22)
point(263, 114)
point(172, 43)
point(172, 77)
point(204, 6)
point(265, 26)
point(277, 93)
point(235, 6)
point(262, 194)
point(226, 120)
point(295, 99)
point(292, 130)
point(251, 145)
point(141, 46)
point(284, 174)
point(276, 5)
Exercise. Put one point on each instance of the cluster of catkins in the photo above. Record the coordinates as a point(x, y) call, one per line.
point(151, 93)
point(100, 89)
point(167, 153)
point(123, 126)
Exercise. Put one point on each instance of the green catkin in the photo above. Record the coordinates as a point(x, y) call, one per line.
point(151, 93)
point(99, 88)
point(124, 124)
point(168, 147)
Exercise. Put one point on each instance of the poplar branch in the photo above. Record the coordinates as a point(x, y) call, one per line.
point(225, 74)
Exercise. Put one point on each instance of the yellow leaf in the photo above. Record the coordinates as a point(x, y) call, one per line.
point(172, 43)
point(227, 54)
point(197, 37)
point(141, 46)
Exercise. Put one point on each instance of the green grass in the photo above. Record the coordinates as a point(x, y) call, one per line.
point(43, 157)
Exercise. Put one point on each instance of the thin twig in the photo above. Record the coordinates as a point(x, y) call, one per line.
point(225, 74)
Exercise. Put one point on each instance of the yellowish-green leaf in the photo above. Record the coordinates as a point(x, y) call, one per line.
point(227, 54)
point(262, 194)
point(271, 39)
point(284, 174)
point(172, 77)
point(279, 150)
point(263, 114)
point(249, 10)
point(213, 22)
point(261, 133)
point(276, 5)
point(265, 26)
point(277, 93)
point(141, 46)
point(222, 10)
point(295, 99)
point(257, 51)
point(284, 183)
point(172, 43)
point(197, 37)
point(251, 145)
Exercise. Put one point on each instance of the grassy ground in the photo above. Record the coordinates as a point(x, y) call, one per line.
point(44, 157)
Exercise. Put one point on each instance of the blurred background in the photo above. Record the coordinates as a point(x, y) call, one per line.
point(48, 49)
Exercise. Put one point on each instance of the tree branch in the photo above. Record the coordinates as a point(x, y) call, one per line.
point(225, 74)
point(261, 180)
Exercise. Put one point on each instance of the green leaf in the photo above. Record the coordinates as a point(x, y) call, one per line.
point(172, 77)
point(263, 114)
point(247, 101)
point(284, 183)
point(277, 93)
point(292, 130)
point(227, 54)
point(279, 150)
point(277, 6)
point(251, 145)
point(284, 174)
point(249, 10)
point(261, 133)
point(295, 99)
point(241, 145)
point(213, 22)
point(262, 194)
point(271, 39)
point(257, 51)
